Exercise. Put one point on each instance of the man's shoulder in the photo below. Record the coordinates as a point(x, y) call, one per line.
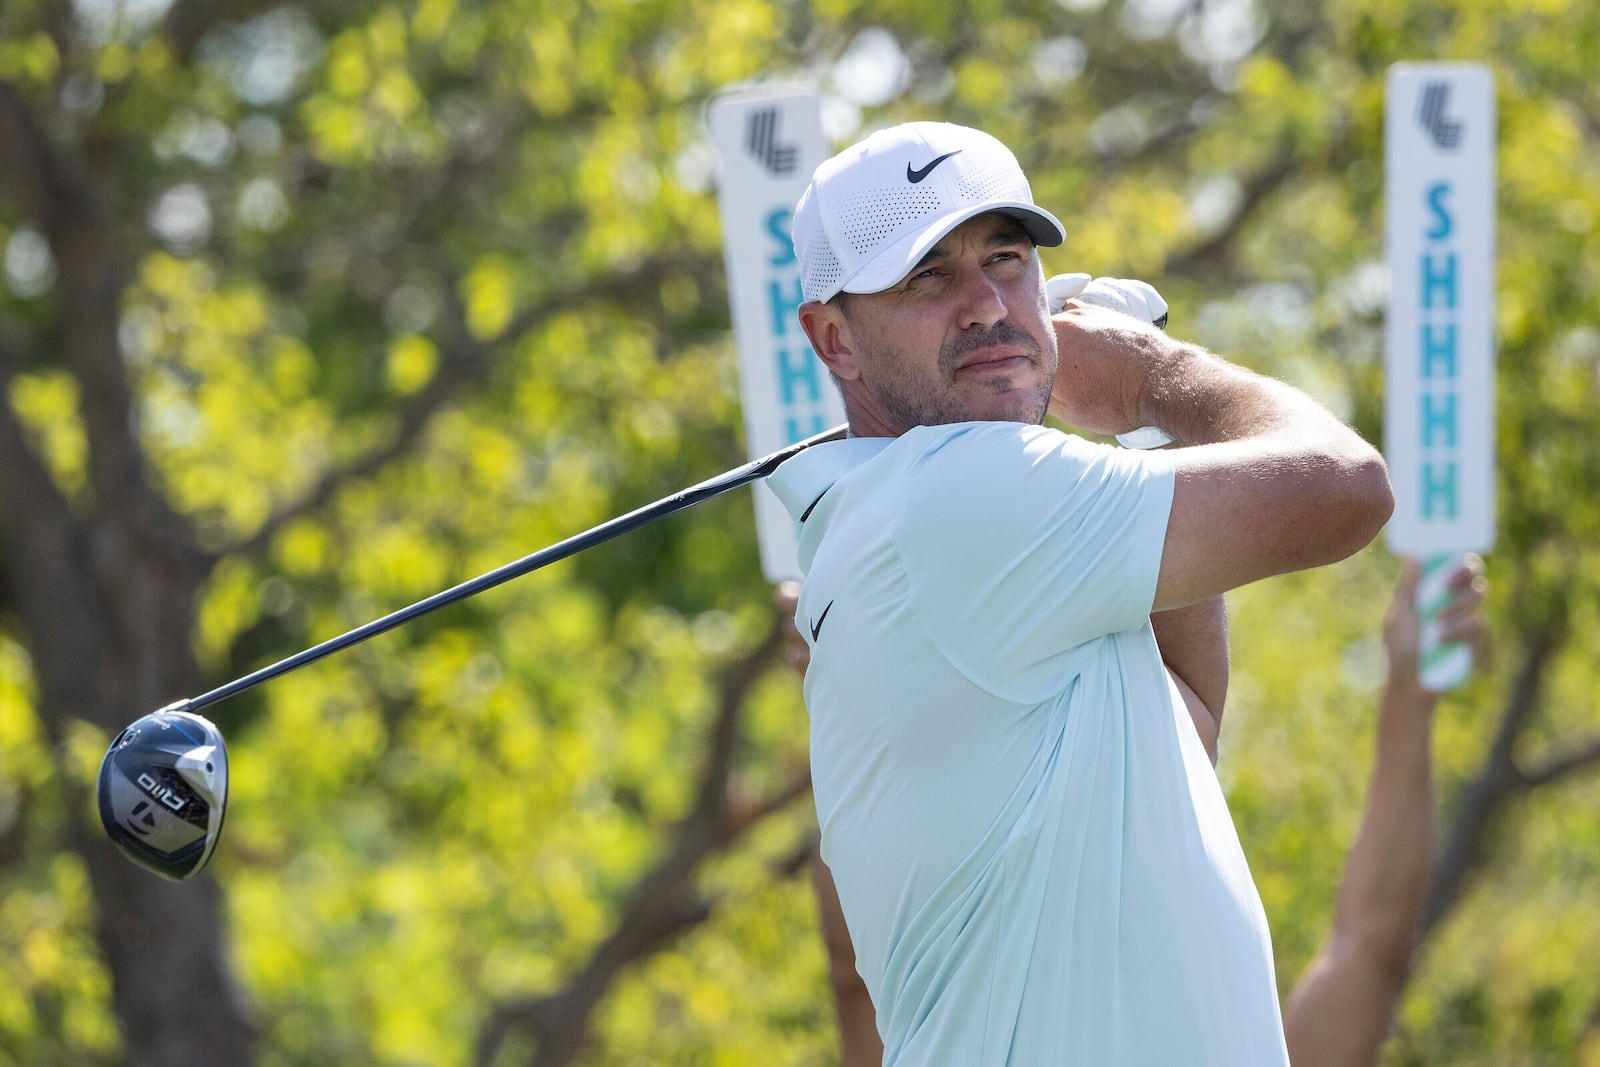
point(962, 438)
point(801, 480)
point(973, 448)
point(931, 457)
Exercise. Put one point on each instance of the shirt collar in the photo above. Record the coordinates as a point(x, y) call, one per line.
point(801, 481)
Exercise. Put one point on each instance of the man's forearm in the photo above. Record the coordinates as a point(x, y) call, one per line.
point(1308, 488)
point(1116, 374)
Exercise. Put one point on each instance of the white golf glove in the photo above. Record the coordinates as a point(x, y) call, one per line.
point(1129, 296)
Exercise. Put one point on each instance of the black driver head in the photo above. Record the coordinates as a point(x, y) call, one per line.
point(163, 791)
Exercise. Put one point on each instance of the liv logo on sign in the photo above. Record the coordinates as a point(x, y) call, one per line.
point(1446, 134)
point(761, 140)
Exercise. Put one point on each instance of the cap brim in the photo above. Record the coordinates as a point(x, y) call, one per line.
point(895, 261)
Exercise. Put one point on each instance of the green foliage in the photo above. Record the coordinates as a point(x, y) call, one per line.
point(477, 239)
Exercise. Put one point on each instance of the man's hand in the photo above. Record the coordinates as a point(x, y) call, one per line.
point(1136, 299)
point(1106, 358)
point(1130, 296)
point(1460, 621)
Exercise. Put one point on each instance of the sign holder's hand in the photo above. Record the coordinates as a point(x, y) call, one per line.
point(1449, 590)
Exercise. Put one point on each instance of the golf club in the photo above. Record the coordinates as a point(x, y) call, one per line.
point(163, 785)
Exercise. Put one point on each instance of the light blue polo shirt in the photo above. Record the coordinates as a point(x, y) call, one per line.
point(1033, 854)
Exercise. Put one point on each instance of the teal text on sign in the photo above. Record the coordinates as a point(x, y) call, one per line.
point(797, 372)
point(1439, 421)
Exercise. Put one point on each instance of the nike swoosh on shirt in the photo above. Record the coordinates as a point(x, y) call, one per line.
point(816, 627)
point(915, 176)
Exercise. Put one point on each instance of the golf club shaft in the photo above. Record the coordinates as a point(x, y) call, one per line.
point(722, 483)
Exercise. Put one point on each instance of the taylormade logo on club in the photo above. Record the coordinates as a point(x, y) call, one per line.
point(143, 812)
point(916, 176)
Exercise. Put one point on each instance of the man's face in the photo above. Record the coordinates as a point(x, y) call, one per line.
point(966, 336)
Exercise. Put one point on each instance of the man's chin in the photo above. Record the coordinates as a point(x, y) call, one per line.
point(1011, 405)
point(1016, 405)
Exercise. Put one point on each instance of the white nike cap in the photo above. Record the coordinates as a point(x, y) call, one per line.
point(874, 210)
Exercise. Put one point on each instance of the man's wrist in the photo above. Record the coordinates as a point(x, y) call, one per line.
point(1173, 397)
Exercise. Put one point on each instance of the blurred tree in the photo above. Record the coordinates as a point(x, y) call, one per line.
point(310, 309)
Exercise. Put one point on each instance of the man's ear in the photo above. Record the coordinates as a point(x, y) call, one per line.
point(829, 333)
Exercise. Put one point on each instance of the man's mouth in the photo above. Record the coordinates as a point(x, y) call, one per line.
point(993, 362)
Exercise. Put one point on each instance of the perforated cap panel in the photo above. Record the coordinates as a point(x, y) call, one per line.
point(820, 273)
point(993, 181)
point(872, 218)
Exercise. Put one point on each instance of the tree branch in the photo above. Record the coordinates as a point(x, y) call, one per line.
point(188, 21)
point(1497, 781)
point(74, 199)
point(26, 488)
point(666, 901)
point(29, 162)
point(745, 815)
point(1559, 766)
point(1257, 189)
point(463, 363)
point(711, 801)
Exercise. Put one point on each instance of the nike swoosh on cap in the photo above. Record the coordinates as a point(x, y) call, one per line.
point(915, 176)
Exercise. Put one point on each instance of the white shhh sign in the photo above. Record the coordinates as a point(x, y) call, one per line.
point(768, 143)
point(1439, 189)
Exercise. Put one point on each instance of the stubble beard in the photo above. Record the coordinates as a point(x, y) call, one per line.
point(919, 404)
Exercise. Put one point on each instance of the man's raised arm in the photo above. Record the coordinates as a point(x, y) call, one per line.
point(1268, 480)
point(1339, 1012)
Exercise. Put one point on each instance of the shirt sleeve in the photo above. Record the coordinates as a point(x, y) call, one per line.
point(1021, 543)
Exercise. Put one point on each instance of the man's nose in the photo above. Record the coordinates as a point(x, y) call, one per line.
point(982, 303)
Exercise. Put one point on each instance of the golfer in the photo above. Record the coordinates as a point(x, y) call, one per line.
point(1031, 850)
